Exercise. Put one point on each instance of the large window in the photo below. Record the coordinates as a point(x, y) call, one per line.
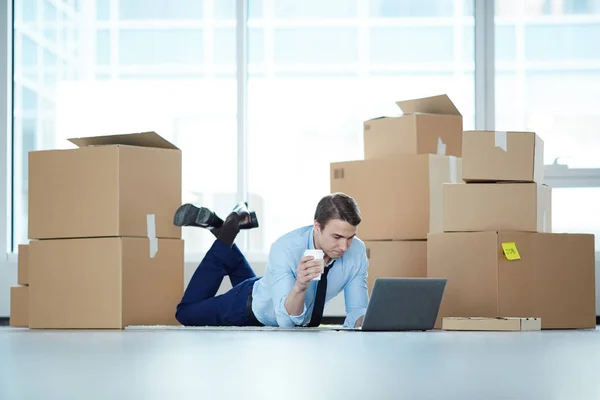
point(327, 66)
point(317, 70)
point(129, 66)
point(548, 81)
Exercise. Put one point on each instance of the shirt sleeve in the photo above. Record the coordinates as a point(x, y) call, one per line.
point(282, 271)
point(356, 294)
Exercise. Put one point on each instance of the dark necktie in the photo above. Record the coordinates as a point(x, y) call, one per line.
point(317, 314)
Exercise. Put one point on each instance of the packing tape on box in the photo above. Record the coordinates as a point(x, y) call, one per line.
point(151, 230)
point(500, 140)
point(453, 169)
point(441, 147)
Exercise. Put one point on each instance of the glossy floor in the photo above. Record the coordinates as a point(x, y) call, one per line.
point(196, 364)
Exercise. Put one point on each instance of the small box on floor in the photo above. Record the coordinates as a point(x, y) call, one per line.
point(490, 156)
point(105, 282)
point(476, 207)
point(519, 274)
point(109, 186)
point(430, 125)
point(400, 198)
point(396, 259)
point(19, 306)
point(491, 324)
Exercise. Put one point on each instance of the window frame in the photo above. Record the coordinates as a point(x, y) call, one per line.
point(6, 125)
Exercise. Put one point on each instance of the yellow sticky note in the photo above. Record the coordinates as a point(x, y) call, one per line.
point(510, 251)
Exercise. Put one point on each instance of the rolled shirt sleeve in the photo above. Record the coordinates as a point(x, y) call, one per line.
point(356, 295)
point(282, 271)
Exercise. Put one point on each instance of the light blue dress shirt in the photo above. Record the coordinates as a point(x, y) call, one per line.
point(349, 273)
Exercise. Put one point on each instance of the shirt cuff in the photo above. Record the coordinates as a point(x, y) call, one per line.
point(296, 320)
point(352, 317)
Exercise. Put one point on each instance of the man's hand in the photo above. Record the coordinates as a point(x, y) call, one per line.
point(359, 322)
point(307, 270)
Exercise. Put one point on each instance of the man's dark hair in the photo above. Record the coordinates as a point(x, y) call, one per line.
point(337, 206)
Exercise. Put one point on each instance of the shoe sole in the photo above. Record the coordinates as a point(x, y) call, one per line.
point(189, 214)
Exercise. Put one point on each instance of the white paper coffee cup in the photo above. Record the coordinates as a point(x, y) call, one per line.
point(319, 256)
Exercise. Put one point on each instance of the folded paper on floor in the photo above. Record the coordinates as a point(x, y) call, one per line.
point(491, 324)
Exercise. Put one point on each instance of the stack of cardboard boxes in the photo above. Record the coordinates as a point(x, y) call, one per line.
point(398, 185)
point(104, 251)
point(497, 250)
point(19, 295)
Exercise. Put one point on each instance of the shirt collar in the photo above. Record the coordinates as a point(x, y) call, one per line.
point(311, 244)
point(311, 240)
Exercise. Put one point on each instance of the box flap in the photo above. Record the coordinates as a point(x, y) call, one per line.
point(375, 118)
point(440, 104)
point(382, 117)
point(143, 139)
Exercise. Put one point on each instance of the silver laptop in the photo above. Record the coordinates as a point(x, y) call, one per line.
point(404, 304)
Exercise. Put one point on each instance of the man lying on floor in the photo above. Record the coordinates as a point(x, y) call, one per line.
point(287, 296)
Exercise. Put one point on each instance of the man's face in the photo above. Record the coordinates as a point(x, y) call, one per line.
point(335, 237)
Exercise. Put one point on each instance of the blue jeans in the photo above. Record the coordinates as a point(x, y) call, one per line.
point(199, 305)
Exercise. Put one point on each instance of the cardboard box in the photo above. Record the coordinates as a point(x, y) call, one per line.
point(491, 324)
point(104, 282)
point(490, 156)
point(110, 186)
point(396, 259)
point(399, 198)
point(23, 265)
point(497, 206)
point(517, 274)
point(19, 306)
point(430, 125)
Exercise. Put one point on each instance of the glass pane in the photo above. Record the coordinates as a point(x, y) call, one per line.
point(29, 99)
point(321, 81)
point(412, 8)
point(28, 11)
point(225, 46)
point(569, 41)
point(411, 50)
point(225, 9)
point(28, 57)
point(576, 210)
point(148, 10)
point(159, 81)
point(50, 21)
point(316, 45)
point(103, 47)
point(315, 8)
point(548, 76)
point(50, 69)
point(505, 43)
point(102, 10)
point(536, 8)
point(165, 46)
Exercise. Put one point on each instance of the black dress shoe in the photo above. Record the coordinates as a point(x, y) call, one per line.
point(248, 218)
point(190, 215)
